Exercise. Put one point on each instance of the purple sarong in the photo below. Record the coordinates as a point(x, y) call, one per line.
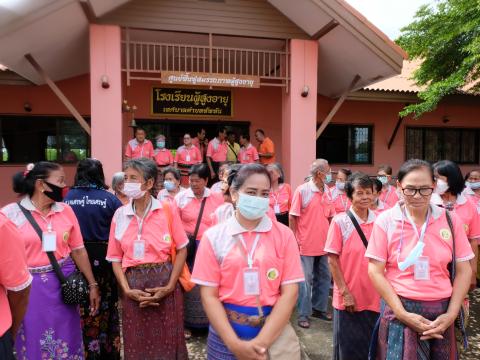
point(51, 329)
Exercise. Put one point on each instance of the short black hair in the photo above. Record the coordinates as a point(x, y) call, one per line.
point(386, 168)
point(377, 184)
point(260, 131)
point(345, 171)
point(357, 179)
point(244, 172)
point(201, 170)
point(24, 181)
point(245, 136)
point(221, 129)
point(90, 172)
point(139, 129)
point(455, 180)
point(231, 133)
point(413, 165)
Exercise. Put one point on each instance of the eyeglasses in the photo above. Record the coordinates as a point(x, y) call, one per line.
point(413, 192)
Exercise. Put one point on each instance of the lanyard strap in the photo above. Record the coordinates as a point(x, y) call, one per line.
point(387, 195)
point(423, 230)
point(344, 202)
point(247, 254)
point(140, 221)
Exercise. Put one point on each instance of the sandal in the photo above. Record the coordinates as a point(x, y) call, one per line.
point(305, 324)
point(322, 315)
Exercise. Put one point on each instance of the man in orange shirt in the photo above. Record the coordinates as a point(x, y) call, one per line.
point(266, 148)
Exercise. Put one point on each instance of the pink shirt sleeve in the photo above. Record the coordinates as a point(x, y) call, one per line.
point(463, 249)
point(14, 275)
point(378, 243)
point(255, 154)
point(210, 149)
point(114, 250)
point(75, 240)
point(198, 155)
point(474, 226)
point(179, 235)
point(296, 204)
point(292, 269)
point(334, 243)
point(206, 270)
point(177, 155)
point(128, 151)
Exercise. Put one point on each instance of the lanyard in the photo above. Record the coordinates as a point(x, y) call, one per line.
point(423, 230)
point(140, 221)
point(252, 251)
point(49, 223)
point(344, 202)
point(276, 195)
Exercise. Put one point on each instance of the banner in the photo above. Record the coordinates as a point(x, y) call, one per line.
point(207, 79)
point(191, 102)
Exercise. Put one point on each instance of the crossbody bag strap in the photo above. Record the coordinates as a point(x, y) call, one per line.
point(233, 150)
point(453, 268)
point(38, 230)
point(358, 228)
point(199, 219)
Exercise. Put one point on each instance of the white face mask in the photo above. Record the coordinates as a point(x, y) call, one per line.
point(133, 190)
point(442, 187)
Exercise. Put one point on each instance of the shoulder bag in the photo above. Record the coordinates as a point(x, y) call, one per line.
point(74, 287)
point(359, 229)
point(192, 244)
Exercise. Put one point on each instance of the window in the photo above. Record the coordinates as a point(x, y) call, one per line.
point(27, 139)
point(346, 144)
point(434, 144)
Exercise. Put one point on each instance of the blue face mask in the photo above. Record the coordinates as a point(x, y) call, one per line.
point(412, 258)
point(169, 185)
point(382, 179)
point(252, 207)
point(474, 185)
point(328, 178)
point(340, 185)
point(161, 144)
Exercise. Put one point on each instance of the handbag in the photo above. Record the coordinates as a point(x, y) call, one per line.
point(185, 276)
point(359, 229)
point(74, 288)
point(461, 322)
point(192, 239)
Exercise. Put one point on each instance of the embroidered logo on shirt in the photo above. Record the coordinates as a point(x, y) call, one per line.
point(445, 234)
point(167, 238)
point(272, 274)
point(66, 235)
point(465, 227)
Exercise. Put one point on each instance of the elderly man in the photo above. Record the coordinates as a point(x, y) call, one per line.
point(187, 155)
point(139, 146)
point(310, 214)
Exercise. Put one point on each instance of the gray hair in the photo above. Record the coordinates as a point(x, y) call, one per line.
point(117, 180)
point(319, 165)
point(144, 166)
point(279, 169)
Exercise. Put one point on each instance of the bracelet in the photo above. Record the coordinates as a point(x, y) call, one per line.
point(93, 285)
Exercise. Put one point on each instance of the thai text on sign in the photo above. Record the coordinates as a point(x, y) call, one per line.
point(207, 79)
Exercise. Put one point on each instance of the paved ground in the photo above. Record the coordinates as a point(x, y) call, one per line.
point(317, 341)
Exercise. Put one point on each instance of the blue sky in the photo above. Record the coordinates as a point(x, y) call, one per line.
point(389, 15)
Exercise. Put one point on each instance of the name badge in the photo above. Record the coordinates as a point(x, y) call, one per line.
point(139, 249)
point(187, 158)
point(49, 241)
point(276, 208)
point(422, 269)
point(251, 281)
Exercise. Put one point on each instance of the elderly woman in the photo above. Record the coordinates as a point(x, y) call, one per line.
point(281, 194)
point(94, 207)
point(195, 206)
point(51, 329)
point(409, 251)
point(356, 303)
point(117, 187)
point(142, 236)
point(171, 184)
point(340, 199)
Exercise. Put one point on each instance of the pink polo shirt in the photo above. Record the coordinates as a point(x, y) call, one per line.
point(220, 261)
point(384, 246)
point(14, 275)
point(63, 221)
point(312, 209)
point(248, 155)
point(156, 233)
point(344, 241)
point(136, 150)
point(217, 150)
point(389, 196)
point(281, 198)
point(466, 210)
point(188, 156)
point(163, 157)
point(340, 201)
point(189, 208)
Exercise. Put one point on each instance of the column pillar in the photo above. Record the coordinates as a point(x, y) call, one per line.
point(106, 104)
point(299, 117)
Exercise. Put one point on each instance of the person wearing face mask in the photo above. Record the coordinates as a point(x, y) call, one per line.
point(171, 184)
point(249, 268)
point(50, 326)
point(195, 206)
point(472, 189)
point(377, 205)
point(118, 180)
point(449, 194)
point(142, 236)
point(356, 303)
point(281, 194)
point(163, 156)
point(388, 195)
point(409, 253)
point(340, 201)
point(310, 214)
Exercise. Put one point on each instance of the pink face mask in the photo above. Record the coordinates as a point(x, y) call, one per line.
point(133, 190)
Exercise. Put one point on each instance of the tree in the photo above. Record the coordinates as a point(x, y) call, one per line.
point(446, 37)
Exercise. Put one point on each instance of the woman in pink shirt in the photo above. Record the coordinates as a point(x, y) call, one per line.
point(51, 328)
point(171, 184)
point(339, 198)
point(410, 249)
point(377, 205)
point(281, 193)
point(249, 268)
point(355, 301)
point(195, 222)
point(142, 236)
point(388, 195)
